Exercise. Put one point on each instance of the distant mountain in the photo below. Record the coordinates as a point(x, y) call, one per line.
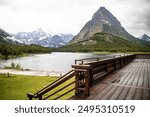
point(66, 37)
point(43, 38)
point(102, 21)
point(145, 37)
point(103, 42)
point(5, 38)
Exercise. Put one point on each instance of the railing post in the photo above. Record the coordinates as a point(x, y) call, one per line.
point(83, 80)
point(106, 67)
point(115, 64)
point(30, 96)
point(40, 97)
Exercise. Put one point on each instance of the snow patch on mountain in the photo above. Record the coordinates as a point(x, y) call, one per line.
point(42, 37)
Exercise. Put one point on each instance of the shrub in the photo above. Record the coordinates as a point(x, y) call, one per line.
point(13, 65)
point(18, 66)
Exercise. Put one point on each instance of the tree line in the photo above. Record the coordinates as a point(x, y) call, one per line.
point(17, 50)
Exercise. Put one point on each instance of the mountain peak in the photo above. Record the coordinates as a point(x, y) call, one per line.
point(145, 37)
point(40, 30)
point(102, 21)
point(105, 16)
point(100, 12)
point(102, 9)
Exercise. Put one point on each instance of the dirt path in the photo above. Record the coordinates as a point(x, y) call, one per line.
point(29, 72)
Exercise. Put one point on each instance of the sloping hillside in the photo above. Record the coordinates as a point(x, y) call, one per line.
point(104, 42)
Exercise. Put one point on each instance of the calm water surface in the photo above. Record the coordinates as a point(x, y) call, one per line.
point(54, 62)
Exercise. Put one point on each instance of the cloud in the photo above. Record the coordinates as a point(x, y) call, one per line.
point(143, 15)
point(138, 15)
point(71, 15)
point(59, 16)
point(3, 2)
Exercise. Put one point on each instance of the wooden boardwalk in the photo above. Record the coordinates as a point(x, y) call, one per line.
point(124, 77)
point(131, 82)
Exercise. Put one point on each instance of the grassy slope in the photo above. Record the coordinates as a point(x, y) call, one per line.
point(105, 42)
point(16, 87)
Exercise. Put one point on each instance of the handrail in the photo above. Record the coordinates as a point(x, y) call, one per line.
point(54, 82)
point(53, 85)
point(101, 58)
point(89, 59)
point(59, 90)
point(64, 93)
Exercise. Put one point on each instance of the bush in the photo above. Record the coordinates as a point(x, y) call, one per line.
point(13, 65)
point(18, 67)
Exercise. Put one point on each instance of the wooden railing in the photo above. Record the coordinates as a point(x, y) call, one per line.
point(143, 56)
point(83, 61)
point(82, 77)
point(89, 73)
point(50, 91)
point(94, 59)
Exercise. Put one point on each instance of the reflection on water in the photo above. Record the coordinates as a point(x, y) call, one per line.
point(57, 61)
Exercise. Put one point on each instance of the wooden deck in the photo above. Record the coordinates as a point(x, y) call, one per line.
point(131, 82)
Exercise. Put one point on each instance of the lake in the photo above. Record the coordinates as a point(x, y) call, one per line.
point(54, 62)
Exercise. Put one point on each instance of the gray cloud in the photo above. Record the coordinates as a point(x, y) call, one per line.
point(144, 15)
point(139, 15)
point(3, 2)
point(133, 14)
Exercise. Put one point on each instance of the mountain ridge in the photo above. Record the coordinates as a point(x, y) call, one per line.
point(43, 38)
point(104, 42)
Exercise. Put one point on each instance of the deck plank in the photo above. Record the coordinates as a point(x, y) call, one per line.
point(100, 95)
point(136, 79)
point(134, 75)
point(128, 75)
point(146, 75)
point(138, 94)
point(123, 94)
point(96, 90)
point(140, 82)
point(109, 93)
point(146, 94)
point(116, 93)
point(130, 94)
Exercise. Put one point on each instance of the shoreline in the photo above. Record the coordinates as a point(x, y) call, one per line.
point(30, 72)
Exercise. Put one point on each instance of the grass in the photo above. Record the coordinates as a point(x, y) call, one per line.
point(16, 87)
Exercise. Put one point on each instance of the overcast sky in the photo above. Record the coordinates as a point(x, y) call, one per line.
point(69, 16)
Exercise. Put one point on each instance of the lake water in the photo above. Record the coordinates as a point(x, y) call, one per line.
point(53, 62)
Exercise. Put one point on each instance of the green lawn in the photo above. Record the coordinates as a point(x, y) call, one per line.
point(16, 87)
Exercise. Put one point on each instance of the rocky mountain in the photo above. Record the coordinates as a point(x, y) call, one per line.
point(3, 33)
point(105, 33)
point(5, 38)
point(145, 37)
point(102, 21)
point(43, 38)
